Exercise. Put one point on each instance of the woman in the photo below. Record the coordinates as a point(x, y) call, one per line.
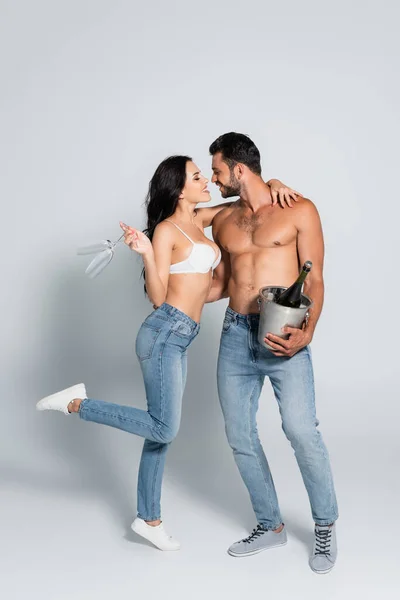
point(178, 263)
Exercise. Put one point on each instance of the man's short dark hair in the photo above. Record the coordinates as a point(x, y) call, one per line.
point(237, 148)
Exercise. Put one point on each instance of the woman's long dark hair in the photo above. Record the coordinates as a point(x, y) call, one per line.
point(165, 188)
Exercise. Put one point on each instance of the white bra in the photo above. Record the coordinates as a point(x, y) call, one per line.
point(201, 259)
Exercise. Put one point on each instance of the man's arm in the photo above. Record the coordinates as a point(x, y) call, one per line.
point(310, 246)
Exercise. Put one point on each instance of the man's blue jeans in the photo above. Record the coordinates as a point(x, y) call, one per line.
point(243, 364)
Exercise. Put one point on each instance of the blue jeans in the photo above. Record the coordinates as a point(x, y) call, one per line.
point(243, 364)
point(161, 347)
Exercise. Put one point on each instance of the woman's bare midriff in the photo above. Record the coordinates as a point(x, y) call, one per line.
point(188, 292)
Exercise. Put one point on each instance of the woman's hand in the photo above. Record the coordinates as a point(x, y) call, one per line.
point(281, 193)
point(136, 240)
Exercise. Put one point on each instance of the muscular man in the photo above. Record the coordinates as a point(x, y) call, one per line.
point(262, 245)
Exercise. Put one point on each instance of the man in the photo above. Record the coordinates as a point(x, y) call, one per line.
point(264, 245)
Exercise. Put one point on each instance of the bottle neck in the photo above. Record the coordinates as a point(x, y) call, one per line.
point(302, 277)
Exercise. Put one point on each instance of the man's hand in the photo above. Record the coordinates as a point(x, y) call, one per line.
point(298, 339)
point(282, 193)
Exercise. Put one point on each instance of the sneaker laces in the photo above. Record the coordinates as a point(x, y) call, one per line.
point(323, 541)
point(256, 533)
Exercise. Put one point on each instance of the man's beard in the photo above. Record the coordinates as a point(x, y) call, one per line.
point(232, 189)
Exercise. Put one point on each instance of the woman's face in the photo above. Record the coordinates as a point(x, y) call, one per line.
point(195, 189)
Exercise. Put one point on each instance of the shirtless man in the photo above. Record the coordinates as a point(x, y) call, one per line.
point(264, 245)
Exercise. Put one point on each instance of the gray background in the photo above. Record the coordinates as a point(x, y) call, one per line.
point(94, 94)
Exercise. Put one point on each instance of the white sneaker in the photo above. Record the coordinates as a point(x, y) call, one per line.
point(156, 535)
point(61, 400)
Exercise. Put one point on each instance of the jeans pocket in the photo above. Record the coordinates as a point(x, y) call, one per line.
point(182, 330)
point(227, 323)
point(146, 340)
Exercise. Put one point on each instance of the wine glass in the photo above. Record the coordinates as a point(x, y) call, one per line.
point(104, 250)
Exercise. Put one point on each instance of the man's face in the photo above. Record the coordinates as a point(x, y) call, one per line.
point(224, 178)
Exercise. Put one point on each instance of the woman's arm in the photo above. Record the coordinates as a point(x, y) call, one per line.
point(282, 193)
point(157, 256)
point(206, 215)
point(222, 274)
point(279, 191)
point(220, 280)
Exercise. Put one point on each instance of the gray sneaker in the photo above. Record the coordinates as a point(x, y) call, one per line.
point(325, 549)
point(260, 539)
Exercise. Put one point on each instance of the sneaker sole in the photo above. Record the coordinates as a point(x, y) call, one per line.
point(321, 572)
point(240, 555)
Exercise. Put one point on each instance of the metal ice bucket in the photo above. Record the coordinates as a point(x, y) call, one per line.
point(273, 316)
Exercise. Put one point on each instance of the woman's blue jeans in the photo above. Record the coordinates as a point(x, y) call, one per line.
point(161, 347)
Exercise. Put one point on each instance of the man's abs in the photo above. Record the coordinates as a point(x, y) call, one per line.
point(252, 271)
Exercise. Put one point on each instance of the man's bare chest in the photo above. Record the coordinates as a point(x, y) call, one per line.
point(248, 232)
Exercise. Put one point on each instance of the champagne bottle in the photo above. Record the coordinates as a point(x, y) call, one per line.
point(292, 296)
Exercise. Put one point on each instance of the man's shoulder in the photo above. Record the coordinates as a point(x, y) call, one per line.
point(303, 203)
point(224, 214)
point(304, 207)
point(305, 214)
